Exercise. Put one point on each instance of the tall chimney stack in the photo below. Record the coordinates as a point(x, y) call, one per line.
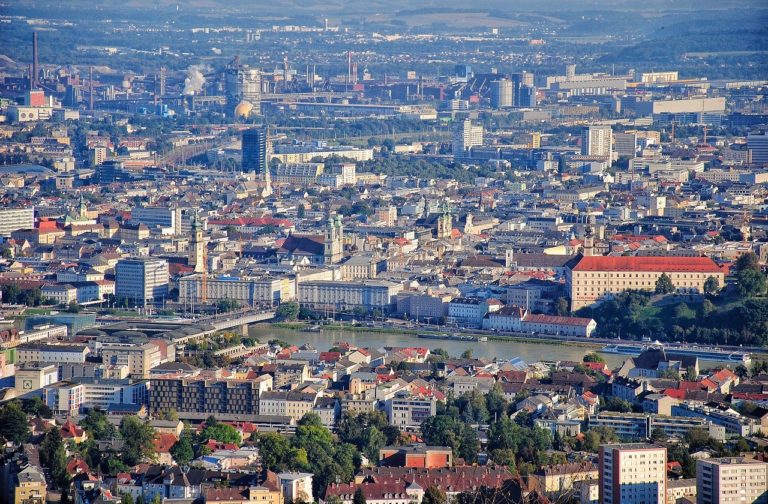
point(35, 68)
point(90, 87)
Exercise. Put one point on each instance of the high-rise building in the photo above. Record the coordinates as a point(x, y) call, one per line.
point(527, 96)
point(141, 280)
point(502, 93)
point(465, 136)
point(254, 148)
point(758, 144)
point(625, 144)
point(597, 141)
point(632, 474)
point(731, 479)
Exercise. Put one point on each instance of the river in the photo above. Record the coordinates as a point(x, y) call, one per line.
point(529, 352)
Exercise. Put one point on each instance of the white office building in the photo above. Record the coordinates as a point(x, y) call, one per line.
point(13, 219)
point(141, 280)
point(597, 141)
point(465, 136)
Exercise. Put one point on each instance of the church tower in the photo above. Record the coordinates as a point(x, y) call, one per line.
point(589, 238)
point(444, 223)
point(333, 246)
point(197, 245)
point(83, 212)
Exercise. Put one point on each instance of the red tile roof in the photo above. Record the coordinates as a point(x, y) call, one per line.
point(556, 319)
point(654, 264)
point(164, 441)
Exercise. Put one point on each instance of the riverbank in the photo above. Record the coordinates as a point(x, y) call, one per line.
point(540, 340)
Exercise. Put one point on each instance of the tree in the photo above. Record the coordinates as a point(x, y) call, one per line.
point(13, 423)
point(36, 406)
point(664, 285)
point(183, 451)
point(97, 425)
point(711, 286)
point(53, 455)
point(274, 449)
point(287, 311)
point(750, 282)
point(439, 354)
point(593, 357)
point(504, 457)
point(227, 305)
point(469, 445)
point(374, 441)
point(126, 499)
point(301, 212)
point(748, 261)
point(138, 438)
point(222, 433)
point(658, 435)
point(467, 354)
point(170, 415)
point(433, 495)
point(561, 307)
point(359, 497)
point(617, 404)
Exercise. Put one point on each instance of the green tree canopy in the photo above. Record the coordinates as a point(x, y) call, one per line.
point(13, 423)
point(138, 438)
point(664, 285)
point(433, 495)
point(711, 285)
point(359, 497)
point(287, 311)
point(183, 451)
point(222, 433)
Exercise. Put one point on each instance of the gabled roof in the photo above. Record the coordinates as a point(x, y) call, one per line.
point(297, 244)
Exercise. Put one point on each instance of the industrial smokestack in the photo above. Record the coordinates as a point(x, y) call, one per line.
point(35, 69)
point(90, 87)
point(349, 69)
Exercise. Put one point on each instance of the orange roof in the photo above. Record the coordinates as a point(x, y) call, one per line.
point(164, 441)
point(655, 264)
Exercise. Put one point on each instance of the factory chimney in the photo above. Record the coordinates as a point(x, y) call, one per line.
point(35, 69)
point(90, 87)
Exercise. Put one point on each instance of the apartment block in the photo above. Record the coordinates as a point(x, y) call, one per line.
point(13, 219)
point(731, 479)
point(194, 397)
point(290, 404)
point(139, 359)
point(632, 474)
point(39, 352)
point(407, 411)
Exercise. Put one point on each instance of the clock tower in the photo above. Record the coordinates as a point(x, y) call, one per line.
point(197, 245)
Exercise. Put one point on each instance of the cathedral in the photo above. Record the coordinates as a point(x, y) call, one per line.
point(327, 248)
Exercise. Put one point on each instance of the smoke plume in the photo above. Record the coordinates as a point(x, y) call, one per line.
point(195, 80)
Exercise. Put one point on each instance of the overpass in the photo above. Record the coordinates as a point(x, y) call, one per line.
point(242, 319)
